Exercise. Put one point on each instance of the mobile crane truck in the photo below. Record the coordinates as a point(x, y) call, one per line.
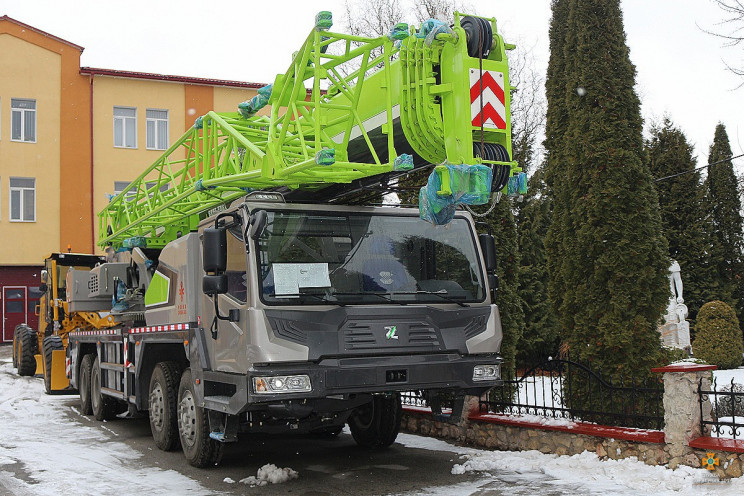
point(247, 288)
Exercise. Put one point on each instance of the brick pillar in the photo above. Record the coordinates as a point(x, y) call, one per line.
point(682, 409)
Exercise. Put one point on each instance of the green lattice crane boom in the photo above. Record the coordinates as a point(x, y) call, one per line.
point(439, 94)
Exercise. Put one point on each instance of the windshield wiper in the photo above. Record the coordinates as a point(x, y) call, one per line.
point(442, 293)
point(384, 296)
point(320, 297)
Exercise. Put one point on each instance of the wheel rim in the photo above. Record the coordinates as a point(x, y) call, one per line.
point(157, 403)
point(187, 418)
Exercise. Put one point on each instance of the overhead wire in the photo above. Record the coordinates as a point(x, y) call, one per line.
point(699, 168)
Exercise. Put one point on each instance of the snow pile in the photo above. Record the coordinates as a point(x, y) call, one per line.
point(533, 419)
point(228, 480)
point(270, 474)
point(586, 470)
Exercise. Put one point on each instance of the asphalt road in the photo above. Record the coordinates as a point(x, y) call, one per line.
point(326, 466)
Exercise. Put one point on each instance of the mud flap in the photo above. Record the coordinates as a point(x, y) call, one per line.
point(223, 427)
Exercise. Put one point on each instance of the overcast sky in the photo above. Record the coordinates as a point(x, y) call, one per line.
point(681, 69)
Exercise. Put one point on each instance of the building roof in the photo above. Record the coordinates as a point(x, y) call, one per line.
point(94, 71)
point(42, 33)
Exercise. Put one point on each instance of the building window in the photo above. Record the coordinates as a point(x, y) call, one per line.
point(22, 199)
point(121, 186)
point(125, 127)
point(157, 129)
point(23, 120)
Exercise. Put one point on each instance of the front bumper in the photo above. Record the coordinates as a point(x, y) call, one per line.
point(361, 375)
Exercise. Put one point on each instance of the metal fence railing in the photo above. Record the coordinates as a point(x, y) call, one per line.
point(728, 410)
point(563, 389)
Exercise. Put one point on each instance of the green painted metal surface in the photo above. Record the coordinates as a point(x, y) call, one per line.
point(319, 109)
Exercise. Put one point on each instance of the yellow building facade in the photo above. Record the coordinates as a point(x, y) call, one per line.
point(70, 137)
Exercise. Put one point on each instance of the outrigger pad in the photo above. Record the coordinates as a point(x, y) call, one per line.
point(452, 185)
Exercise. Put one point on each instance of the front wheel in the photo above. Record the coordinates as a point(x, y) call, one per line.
point(199, 449)
point(376, 424)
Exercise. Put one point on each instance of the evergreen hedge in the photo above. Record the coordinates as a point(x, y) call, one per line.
point(718, 340)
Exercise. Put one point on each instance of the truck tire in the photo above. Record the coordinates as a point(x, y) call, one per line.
point(86, 367)
point(376, 424)
point(15, 347)
point(50, 344)
point(163, 405)
point(27, 344)
point(199, 449)
point(104, 407)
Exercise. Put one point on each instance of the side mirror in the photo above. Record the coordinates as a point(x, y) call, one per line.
point(488, 246)
point(214, 249)
point(44, 275)
point(214, 285)
point(258, 223)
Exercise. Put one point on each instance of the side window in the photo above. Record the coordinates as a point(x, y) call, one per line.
point(157, 129)
point(22, 199)
point(23, 120)
point(237, 285)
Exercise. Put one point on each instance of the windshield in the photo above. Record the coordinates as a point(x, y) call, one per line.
point(321, 258)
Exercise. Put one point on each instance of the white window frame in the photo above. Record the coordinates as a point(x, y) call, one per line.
point(20, 190)
point(24, 112)
point(123, 120)
point(131, 192)
point(154, 121)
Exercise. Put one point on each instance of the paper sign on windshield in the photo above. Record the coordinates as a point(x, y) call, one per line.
point(290, 277)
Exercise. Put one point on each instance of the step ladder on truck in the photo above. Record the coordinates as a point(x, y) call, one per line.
point(247, 286)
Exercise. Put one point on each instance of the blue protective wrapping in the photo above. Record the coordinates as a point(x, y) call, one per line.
point(403, 162)
point(249, 108)
point(469, 185)
point(326, 156)
point(517, 185)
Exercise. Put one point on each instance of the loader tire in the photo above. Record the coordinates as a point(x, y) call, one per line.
point(104, 407)
point(15, 347)
point(163, 405)
point(376, 424)
point(50, 344)
point(27, 344)
point(199, 449)
point(86, 367)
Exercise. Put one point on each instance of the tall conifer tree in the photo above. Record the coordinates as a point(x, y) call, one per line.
point(725, 222)
point(607, 241)
point(682, 216)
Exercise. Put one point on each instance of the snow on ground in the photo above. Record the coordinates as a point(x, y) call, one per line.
point(44, 452)
point(578, 474)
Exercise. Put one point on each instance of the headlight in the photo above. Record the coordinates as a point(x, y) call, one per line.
point(282, 384)
point(486, 372)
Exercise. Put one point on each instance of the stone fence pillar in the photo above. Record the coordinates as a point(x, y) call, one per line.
point(682, 409)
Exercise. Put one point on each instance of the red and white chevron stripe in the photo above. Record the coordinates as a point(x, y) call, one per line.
point(101, 332)
point(164, 328)
point(494, 99)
